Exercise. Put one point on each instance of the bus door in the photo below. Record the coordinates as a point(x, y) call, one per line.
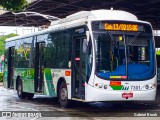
point(78, 68)
point(39, 66)
point(11, 55)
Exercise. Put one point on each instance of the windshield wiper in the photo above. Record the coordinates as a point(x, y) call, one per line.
point(134, 38)
point(112, 38)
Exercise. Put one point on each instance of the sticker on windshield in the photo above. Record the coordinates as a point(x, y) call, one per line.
point(122, 77)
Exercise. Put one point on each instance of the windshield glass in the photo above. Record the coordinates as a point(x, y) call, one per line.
point(124, 55)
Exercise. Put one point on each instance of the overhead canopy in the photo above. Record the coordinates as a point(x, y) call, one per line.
point(147, 10)
point(25, 19)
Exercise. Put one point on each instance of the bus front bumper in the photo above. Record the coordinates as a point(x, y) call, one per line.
point(94, 94)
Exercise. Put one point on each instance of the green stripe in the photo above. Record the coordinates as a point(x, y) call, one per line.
point(49, 82)
point(117, 87)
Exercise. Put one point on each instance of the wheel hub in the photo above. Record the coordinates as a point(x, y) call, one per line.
point(64, 94)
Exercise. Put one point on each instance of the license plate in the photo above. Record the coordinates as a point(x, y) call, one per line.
point(127, 95)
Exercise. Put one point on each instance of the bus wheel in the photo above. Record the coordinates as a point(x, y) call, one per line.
point(20, 92)
point(29, 96)
point(63, 95)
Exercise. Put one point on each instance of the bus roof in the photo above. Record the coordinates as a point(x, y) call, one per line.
point(98, 15)
point(80, 18)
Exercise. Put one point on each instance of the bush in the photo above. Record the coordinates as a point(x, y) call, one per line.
point(1, 77)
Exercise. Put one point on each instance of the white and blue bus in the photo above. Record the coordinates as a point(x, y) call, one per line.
point(100, 55)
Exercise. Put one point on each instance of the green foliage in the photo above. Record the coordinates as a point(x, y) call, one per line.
point(14, 5)
point(2, 42)
point(1, 77)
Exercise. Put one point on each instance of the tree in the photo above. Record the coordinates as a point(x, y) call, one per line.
point(13, 5)
point(2, 42)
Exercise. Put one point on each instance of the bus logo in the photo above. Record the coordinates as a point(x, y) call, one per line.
point(125, 88)
point(116, 85)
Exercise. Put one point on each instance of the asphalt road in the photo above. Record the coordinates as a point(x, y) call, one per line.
point(42, 107)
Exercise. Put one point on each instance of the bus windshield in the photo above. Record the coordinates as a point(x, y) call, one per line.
point(124, 55)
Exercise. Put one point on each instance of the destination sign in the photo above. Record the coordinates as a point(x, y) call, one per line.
point(121, 26)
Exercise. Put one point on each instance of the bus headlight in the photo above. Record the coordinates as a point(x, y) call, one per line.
point(150, 86)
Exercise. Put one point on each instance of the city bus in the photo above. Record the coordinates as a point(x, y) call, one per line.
point(99, 55)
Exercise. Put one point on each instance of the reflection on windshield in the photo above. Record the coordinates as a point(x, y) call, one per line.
point(124, 56)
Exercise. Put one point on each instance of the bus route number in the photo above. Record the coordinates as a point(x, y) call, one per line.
point(135, 87)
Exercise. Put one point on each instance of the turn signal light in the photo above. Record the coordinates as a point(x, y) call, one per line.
point(67, 73)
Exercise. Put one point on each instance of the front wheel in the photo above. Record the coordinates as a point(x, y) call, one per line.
point(63, 95)
point(20, 92)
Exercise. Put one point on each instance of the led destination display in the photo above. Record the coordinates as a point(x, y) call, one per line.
point(123, 27)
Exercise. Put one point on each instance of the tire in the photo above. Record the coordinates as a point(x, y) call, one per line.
point(20, 92)
point(63, 96)
point(29, 96)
